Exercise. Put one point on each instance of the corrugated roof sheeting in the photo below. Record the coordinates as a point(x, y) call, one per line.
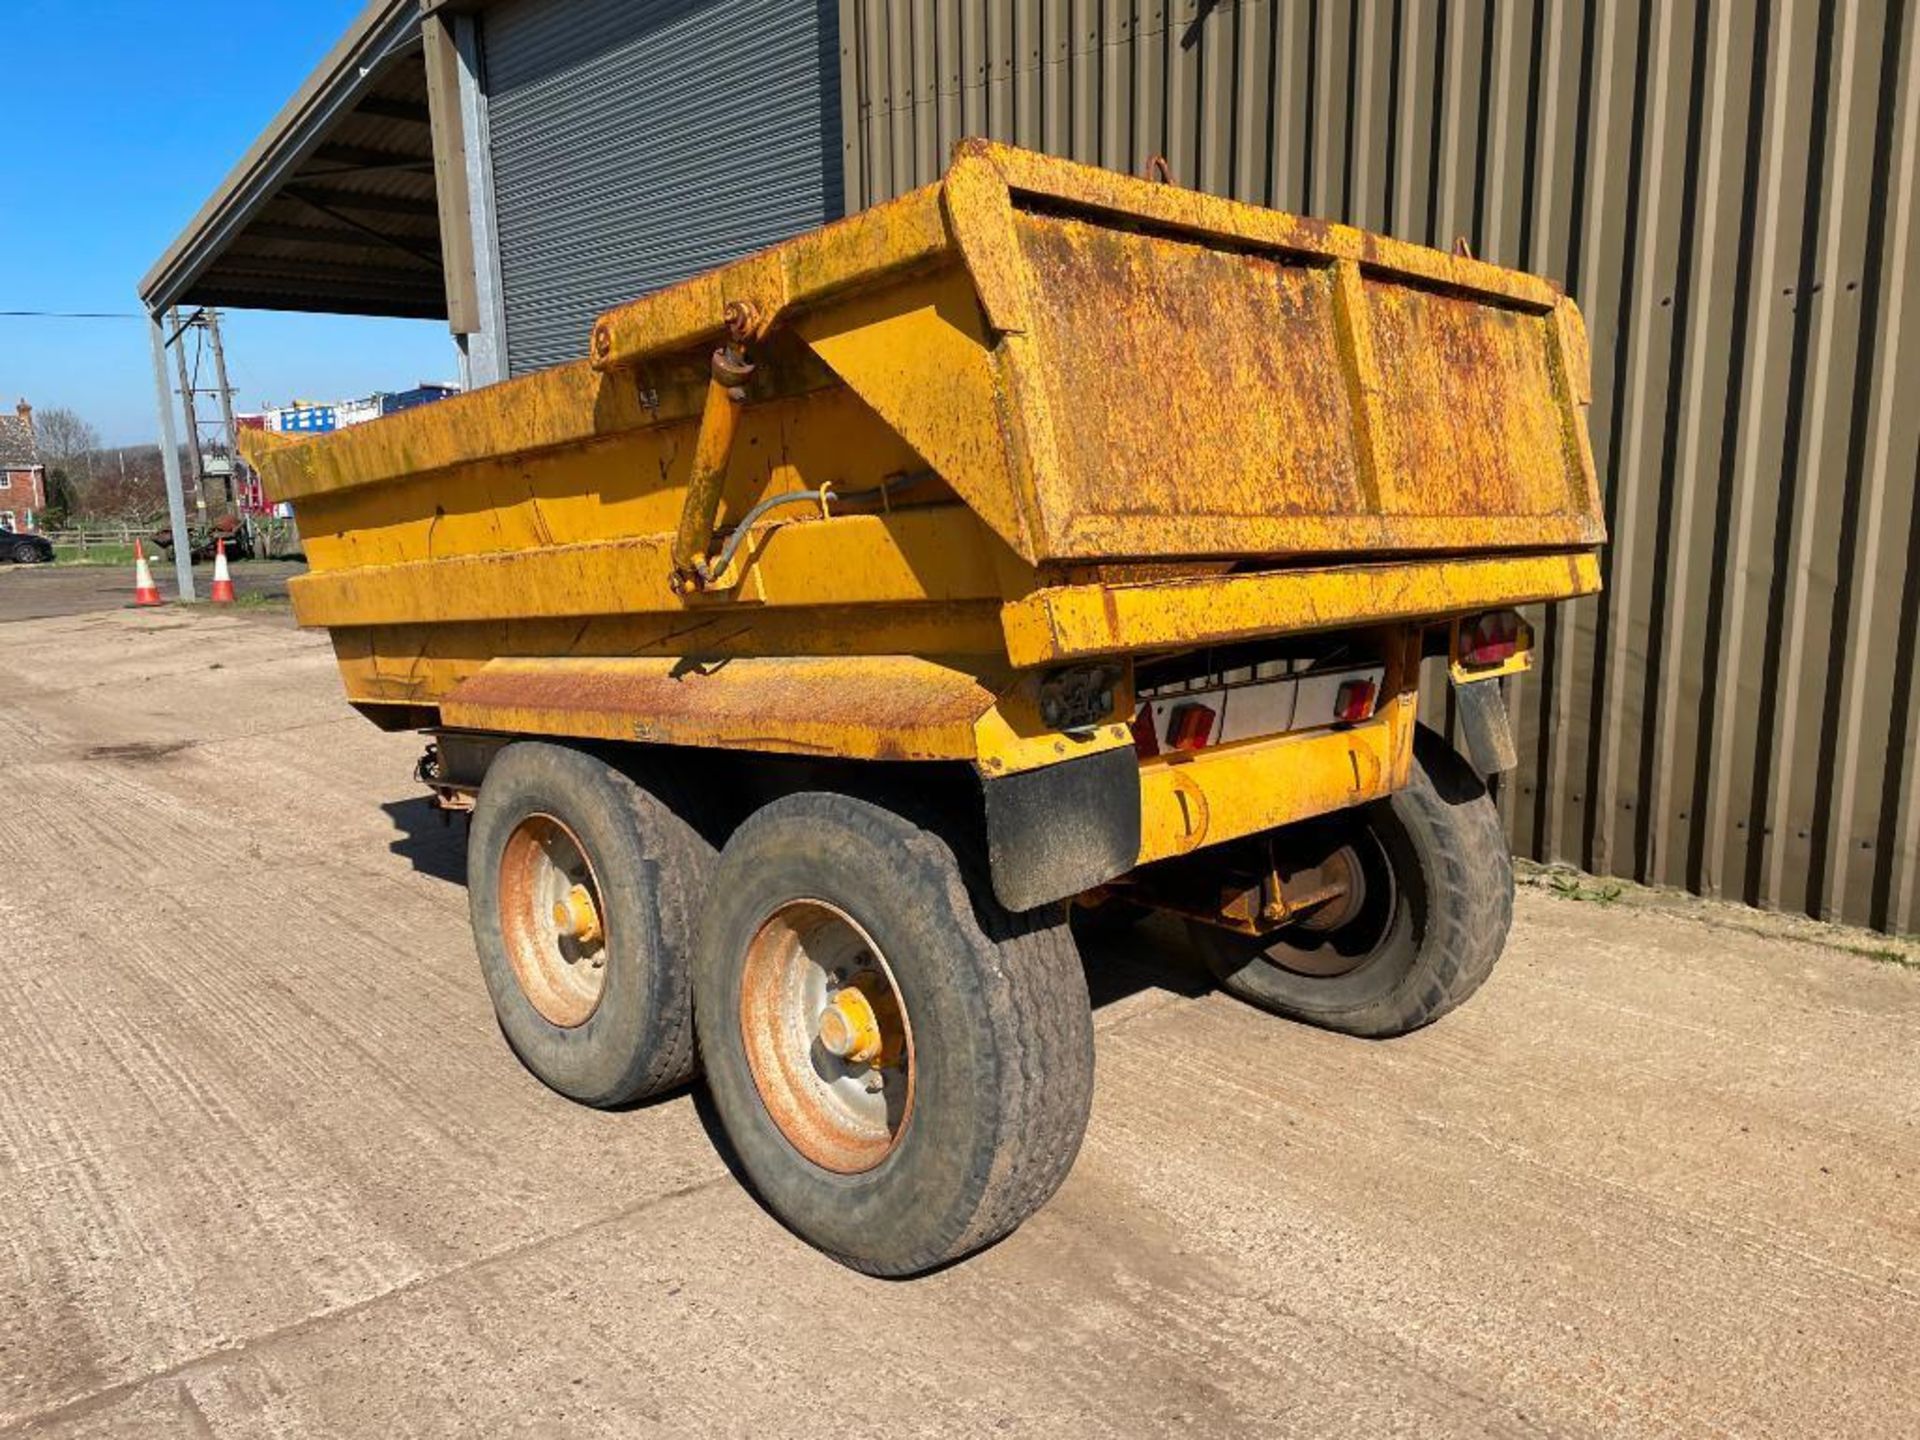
point(1728, 188)
point(332, 208)
point(354, 227)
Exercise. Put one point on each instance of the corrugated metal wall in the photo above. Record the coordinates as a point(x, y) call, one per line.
point(1727, 187)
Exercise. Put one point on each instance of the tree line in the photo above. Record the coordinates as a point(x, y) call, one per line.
point(89, 483)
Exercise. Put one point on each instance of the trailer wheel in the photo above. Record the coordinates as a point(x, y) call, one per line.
point(903, 1067)
point(1435, 903)
point(581, 883)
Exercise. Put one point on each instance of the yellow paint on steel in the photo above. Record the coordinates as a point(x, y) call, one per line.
point(930, 555)
point(812, 269)
point(849, 1029)
point(418, 665)
point(1074, 621)
point(1027, 173)
point(628, 485)
point(884, 345)
point(1162, 417)
point(1021, 382)
point(1209, 796)
point(875, 707)
point(882, 707)
point(1011, 737)
point(1091, 390)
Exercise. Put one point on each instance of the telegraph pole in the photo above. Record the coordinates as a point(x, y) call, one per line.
point(226, 409)
point(193, 420)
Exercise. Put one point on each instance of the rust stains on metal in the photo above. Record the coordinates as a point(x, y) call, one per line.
point(1270, 402)
point(743, 321)
point(880, 708)
point(1185, 384)
point(1227, 403)
point(806, 970)
point(1073, 622)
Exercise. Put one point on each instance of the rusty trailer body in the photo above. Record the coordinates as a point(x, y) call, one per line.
point(1136, 507)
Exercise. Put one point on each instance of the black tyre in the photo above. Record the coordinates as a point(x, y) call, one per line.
point(583, 885)
point(25, 554)
point(1431, 917)
point(903, 1067)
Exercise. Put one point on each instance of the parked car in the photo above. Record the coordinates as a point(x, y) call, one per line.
point(25, 549)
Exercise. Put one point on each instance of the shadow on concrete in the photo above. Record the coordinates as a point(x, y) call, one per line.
point(1153, 955)
point(430, 840)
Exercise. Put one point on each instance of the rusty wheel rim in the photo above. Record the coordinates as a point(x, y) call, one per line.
point(551, 912)
point(827, 1036)
point(1346, 934)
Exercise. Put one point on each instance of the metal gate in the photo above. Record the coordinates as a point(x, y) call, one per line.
point(637, 142)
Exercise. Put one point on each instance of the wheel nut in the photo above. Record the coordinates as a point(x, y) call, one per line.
point(577, 917)
point(848, 1028)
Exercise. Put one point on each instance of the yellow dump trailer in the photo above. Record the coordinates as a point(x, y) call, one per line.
point(1040, 549)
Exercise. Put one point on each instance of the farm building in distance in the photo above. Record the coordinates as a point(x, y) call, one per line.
point(23, 479)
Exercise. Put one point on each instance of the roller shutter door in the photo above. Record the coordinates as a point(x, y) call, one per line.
point(637, 142)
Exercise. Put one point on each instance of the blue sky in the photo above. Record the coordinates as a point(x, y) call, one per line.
point(120, 119)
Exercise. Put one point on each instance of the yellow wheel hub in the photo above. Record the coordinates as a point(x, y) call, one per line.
point(576, 916)
point(849, 1029)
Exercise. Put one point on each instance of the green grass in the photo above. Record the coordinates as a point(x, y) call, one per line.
point(1884, 956)
point(96, 555)
point(1565, 883)
point(245, 600)
point(1571, 886)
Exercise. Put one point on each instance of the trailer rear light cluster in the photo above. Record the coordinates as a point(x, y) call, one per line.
point(1492, 639)
point(1355, 700)
point(1200, 715)
point(1190, 727)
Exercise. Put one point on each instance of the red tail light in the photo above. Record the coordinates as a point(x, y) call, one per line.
point(1492, 639)
point(1190, 727)
point(1145, 743)
point(1355, 700)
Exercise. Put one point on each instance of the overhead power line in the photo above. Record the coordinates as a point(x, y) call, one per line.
point(70, 315)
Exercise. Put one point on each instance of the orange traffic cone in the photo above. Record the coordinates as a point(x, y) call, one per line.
point(222, 579)
point(145, 592)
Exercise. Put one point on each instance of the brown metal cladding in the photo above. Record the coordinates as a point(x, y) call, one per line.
point(1728, 189)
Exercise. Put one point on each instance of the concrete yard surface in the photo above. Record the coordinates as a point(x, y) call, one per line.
point(40, 592)
point(267, 1167)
